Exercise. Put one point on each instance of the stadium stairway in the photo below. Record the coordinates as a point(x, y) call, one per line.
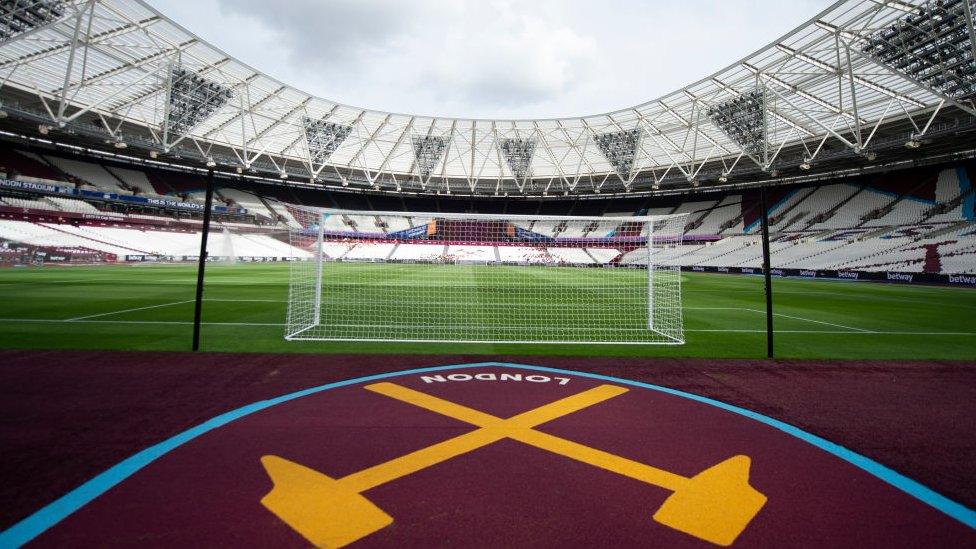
point(933, 262)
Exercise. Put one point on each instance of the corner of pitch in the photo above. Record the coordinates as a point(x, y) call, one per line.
point(715, 505)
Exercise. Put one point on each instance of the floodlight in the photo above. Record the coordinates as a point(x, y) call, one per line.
point(43, 129)
point(119, 144)
point(871, 156)
point(283, 174)
point(518, 154)
point(428, 151)
point(211, 163)
point(192, 99)
point(743, 120)
point(805, 165)
point(620, 149)
point(931, 45)
point(323, 138)
point(20, 16)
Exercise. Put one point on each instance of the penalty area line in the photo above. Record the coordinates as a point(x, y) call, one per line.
point(816, 321)
point(82, 318)
point(78, 318)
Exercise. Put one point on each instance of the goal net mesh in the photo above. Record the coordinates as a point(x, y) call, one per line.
point(397, 276)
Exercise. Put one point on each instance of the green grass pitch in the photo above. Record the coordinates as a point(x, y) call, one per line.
point(150, 307)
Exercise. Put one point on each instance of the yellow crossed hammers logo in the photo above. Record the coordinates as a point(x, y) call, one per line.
point(715, 505)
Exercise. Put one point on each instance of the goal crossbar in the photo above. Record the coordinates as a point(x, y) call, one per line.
point(499, 217)
point(437, 277)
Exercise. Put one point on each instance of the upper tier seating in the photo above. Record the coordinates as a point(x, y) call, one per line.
point(28, 164)
point(90, 173)
point(248, 201)
point(135, 179)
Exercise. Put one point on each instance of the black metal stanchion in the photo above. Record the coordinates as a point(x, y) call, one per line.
point(201, 266)
point(767, 274)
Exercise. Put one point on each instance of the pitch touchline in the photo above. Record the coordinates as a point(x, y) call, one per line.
point(181, 322)
point(172, 322)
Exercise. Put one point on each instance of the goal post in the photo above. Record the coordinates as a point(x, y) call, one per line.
point(484, 278)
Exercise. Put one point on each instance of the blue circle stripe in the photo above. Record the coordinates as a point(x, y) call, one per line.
point(56, 511)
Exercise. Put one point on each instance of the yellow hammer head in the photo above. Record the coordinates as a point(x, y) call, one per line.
point(318, 507)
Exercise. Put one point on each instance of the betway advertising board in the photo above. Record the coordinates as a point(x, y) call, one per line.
point(881, 276)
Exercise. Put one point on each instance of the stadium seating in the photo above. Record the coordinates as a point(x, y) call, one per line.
point(127, 241)
point(136, 180)
point(248, 201)
point(29, 204)
point(89, 173)
point(72, 205)
point(415, 252)
point(921, 221)
point(475, 254)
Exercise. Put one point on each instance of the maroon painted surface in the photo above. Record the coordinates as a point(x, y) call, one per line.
point(208, 492)
point(67, 416)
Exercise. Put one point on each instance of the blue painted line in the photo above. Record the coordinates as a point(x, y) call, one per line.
point(896, 195)
point(968, 201)
point(56, 511)
point(770, 211)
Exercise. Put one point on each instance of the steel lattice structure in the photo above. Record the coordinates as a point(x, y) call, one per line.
point(118, 70)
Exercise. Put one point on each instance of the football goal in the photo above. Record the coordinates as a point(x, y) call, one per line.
point(484, 278)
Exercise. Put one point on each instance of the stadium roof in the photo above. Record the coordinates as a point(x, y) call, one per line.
point(119, 70)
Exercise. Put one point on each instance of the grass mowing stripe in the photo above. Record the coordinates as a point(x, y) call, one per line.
point(244, 310)
point(211, 323)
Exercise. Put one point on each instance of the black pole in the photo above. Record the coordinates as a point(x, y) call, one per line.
point(767, 274)
point(201, 265)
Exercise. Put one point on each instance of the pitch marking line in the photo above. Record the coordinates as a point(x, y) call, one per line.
point(814, 321)
point(245, 300)
point(80, 318)
point(775, 314)
point(718, 330)
point(77, 318)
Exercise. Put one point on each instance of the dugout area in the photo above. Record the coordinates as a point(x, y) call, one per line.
point(162, 449)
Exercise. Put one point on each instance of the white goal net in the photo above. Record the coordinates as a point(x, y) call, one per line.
point(484, 278)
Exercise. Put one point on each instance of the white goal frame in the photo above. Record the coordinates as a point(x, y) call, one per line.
point(308, 313)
